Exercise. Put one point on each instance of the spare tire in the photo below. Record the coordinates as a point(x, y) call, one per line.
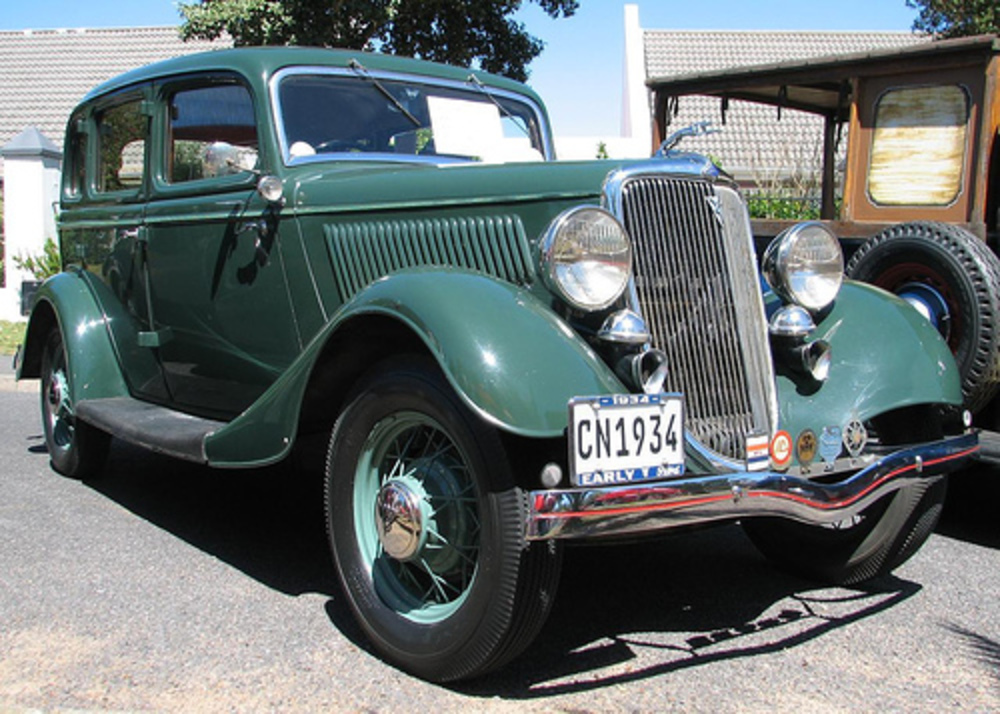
point(953, 278)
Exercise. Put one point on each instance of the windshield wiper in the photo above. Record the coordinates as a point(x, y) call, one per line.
point(363, 71)
point(478, 84)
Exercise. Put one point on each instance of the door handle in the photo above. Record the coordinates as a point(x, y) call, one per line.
point(261, 244)
point(260, 226)
point(138, 233)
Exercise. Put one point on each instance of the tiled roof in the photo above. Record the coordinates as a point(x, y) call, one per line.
point(44, 73)
point(753, 144)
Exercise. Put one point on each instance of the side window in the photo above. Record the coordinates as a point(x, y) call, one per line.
point(122, 133)
point(76, 155)
point(212, 133)
point(918, 146)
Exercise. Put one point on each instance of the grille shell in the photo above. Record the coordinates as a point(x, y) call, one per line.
point(696, 285)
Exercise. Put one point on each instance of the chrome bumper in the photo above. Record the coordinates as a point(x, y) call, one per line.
point(649, 507)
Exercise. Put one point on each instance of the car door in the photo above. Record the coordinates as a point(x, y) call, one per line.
point(102, 224)
point(222, 323)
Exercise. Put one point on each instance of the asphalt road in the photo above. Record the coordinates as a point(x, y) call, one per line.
point(169, 587)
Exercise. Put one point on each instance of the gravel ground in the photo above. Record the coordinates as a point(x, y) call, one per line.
point(169, 587)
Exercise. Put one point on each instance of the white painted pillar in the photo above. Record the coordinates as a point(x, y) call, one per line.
point(637, 116)
point(32, 166)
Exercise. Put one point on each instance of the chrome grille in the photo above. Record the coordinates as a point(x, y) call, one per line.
point(697, 287)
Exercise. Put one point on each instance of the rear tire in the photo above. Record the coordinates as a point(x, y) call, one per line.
point(959, 278)
point(427, 528)
point(76, 449)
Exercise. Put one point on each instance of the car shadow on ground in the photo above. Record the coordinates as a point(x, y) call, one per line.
point(638, 611)
point(972, 508)
point(267, 523)
point(623, 613)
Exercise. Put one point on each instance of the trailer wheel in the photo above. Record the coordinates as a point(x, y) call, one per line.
point(953, 279)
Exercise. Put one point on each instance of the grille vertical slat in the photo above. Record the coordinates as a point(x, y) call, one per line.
point(696, 285)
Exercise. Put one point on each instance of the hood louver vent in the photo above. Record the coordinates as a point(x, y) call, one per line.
point(362, 253)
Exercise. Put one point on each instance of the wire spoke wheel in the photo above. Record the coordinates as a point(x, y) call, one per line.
point(417, 517)
point(76, 448)
point(427, 528)
point(57, 410)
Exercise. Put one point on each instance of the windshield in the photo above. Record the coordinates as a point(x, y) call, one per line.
point(359, 114)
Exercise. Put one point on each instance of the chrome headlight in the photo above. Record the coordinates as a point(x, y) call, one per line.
point(805, 265)
point(587, 257)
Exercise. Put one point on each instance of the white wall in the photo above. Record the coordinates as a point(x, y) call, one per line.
point(31, 187)
point(586, 147)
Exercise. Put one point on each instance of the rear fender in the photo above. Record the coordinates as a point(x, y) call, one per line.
point(67, 302)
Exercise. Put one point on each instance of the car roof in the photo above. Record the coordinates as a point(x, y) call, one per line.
point(265, 61)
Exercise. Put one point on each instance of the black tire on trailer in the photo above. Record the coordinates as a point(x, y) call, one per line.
point(427, 528)
point(954, 279)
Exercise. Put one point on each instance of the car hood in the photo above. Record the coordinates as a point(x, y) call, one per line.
point(356, 185)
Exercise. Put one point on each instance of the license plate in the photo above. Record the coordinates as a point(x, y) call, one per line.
point(626, 438)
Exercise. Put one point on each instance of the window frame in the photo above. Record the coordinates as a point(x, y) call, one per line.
point(76, 160)
point(162, 185)
point(95, 144)
point(963, 160)
point(284, 148)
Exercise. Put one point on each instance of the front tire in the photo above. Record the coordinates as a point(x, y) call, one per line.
point(877, 541)
point(76, 449)
point(427, 528)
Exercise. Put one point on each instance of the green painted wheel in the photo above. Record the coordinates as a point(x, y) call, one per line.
point(76, 448)
point(416, 517)
point(427, 528)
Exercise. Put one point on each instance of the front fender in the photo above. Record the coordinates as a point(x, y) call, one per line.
point(885, 356)
point(67, 302)
point(508, 357)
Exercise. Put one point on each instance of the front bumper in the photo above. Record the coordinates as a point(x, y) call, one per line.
point(650, 507)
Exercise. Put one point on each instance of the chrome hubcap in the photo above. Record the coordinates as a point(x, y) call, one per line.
point(400, 519)
point(59, 410)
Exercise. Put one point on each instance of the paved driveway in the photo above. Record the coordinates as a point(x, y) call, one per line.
point(169, 587)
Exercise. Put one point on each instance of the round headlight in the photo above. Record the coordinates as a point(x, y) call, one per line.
point(805, 265)
point(587, 257)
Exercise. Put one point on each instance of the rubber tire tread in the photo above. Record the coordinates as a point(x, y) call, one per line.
point(978, 271)
point(89, 451)
point(523, 591)
point(904, 521)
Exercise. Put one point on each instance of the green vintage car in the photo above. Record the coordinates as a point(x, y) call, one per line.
point(498, 353)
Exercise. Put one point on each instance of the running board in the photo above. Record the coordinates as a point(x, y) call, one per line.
point(151, 426)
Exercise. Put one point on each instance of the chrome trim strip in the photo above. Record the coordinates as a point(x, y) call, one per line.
point(630, 509)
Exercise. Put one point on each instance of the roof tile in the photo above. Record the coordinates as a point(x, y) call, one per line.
point(44, 73)
point(753, 144)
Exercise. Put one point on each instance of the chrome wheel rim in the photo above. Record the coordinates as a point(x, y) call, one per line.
point(59, 415)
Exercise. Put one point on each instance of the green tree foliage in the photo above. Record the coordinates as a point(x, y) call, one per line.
point(956, 18)
point(41, 266)
point(461, 32)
